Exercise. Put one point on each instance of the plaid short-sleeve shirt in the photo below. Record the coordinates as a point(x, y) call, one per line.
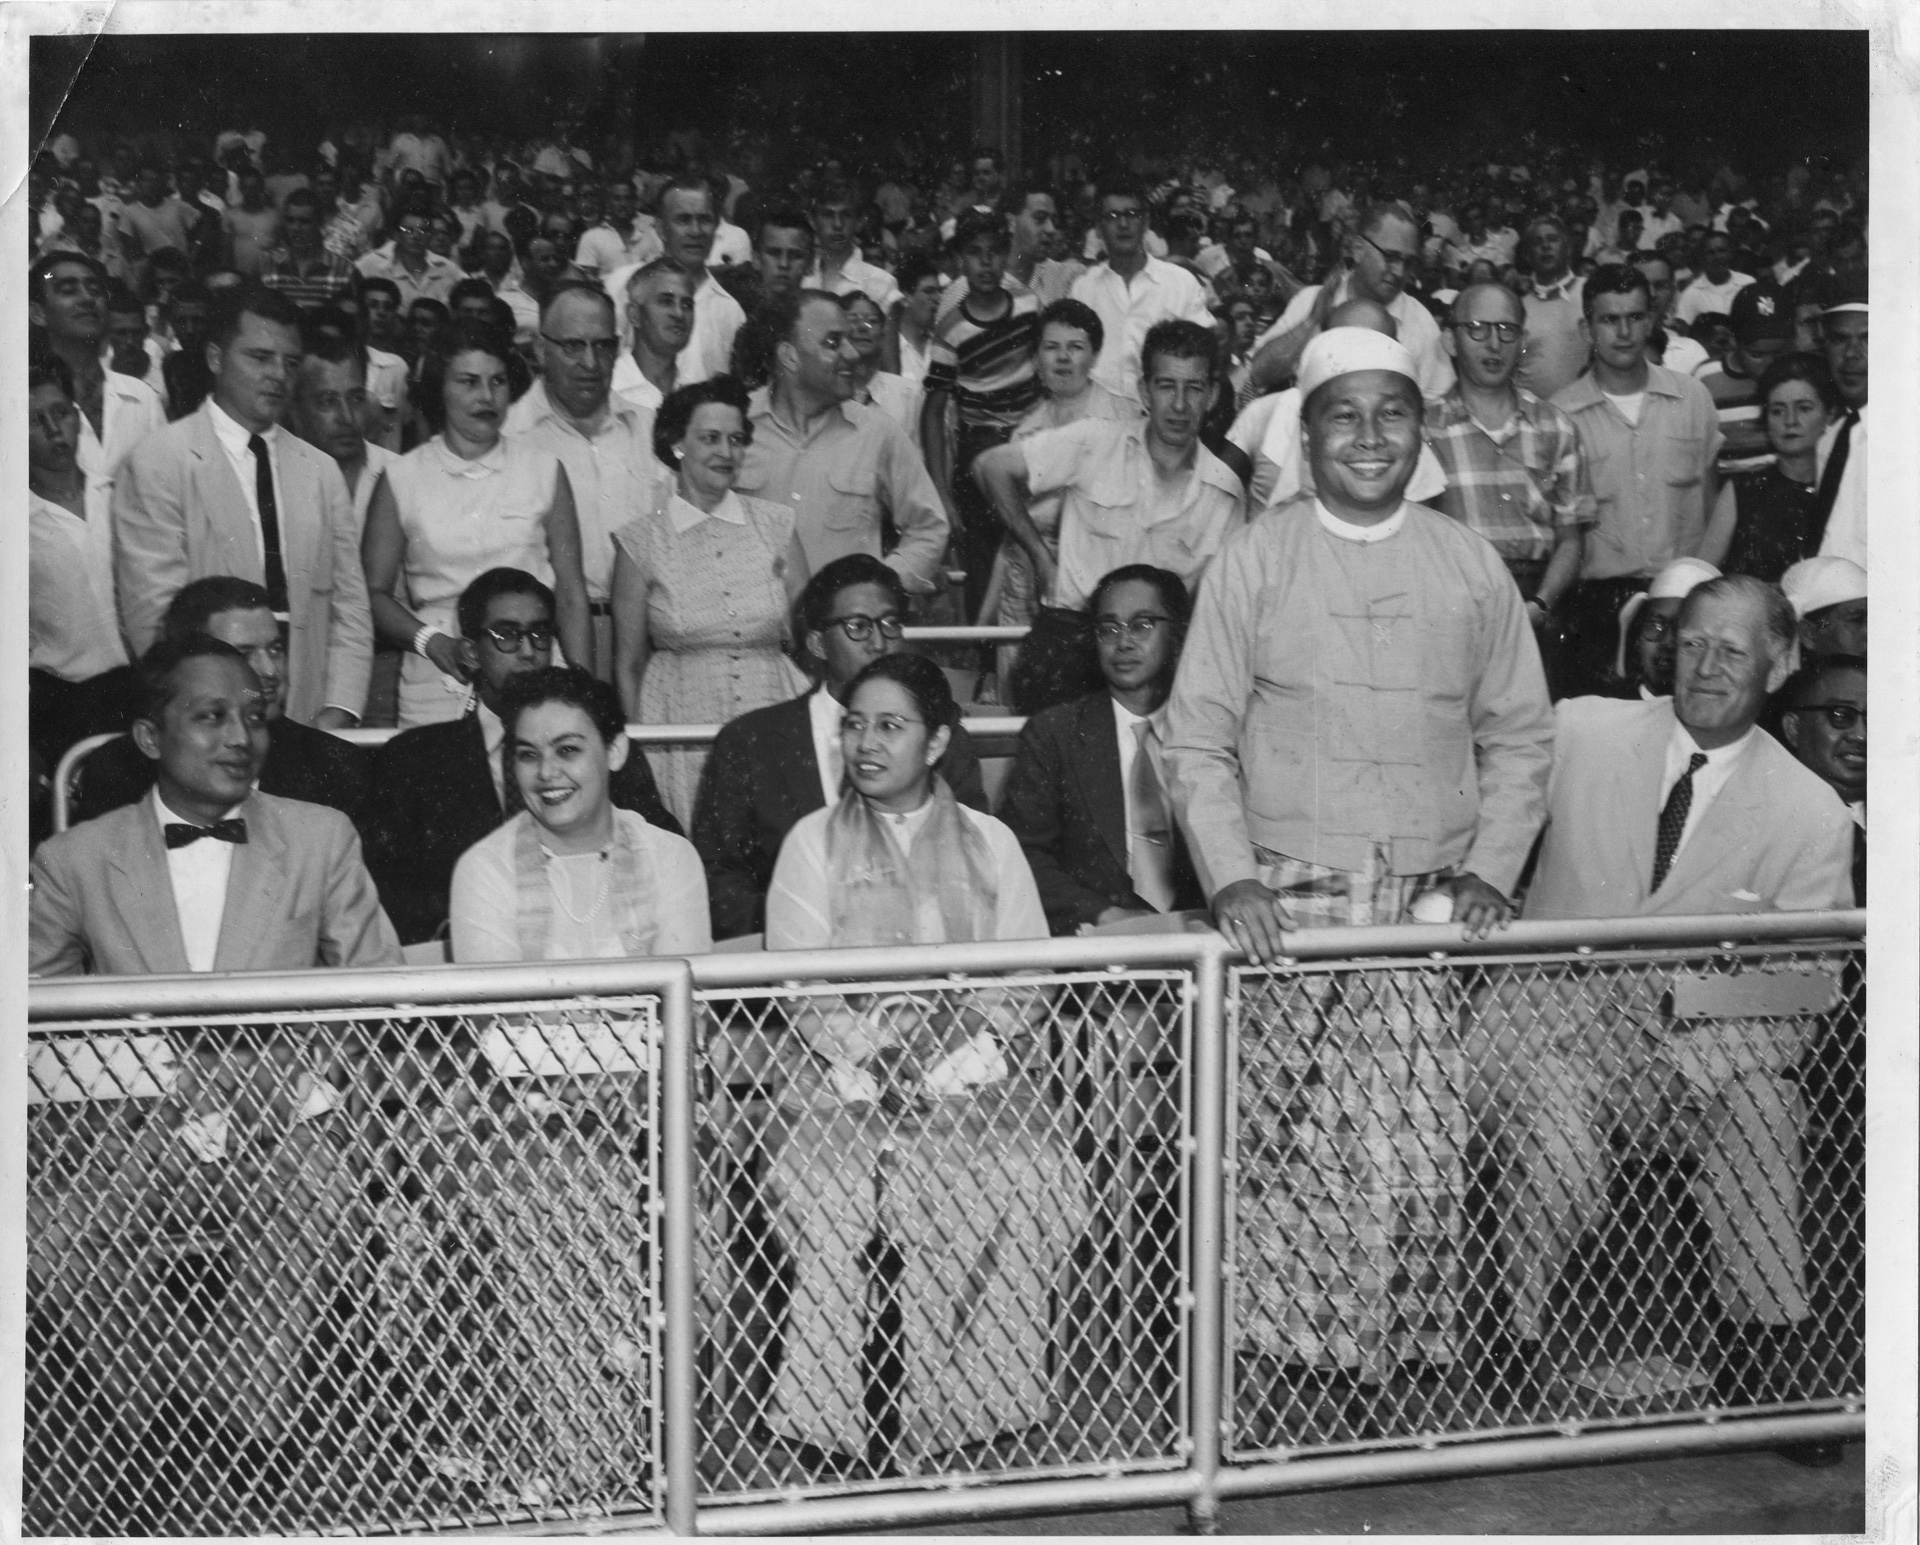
point(1518, 487)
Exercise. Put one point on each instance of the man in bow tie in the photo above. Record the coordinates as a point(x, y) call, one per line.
point(206, 874)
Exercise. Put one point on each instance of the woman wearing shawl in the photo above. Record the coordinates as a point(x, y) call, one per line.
point(911, 1129)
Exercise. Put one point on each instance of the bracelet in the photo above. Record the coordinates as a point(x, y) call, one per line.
point(425, 635)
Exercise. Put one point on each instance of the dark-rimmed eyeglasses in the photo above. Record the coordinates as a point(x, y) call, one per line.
point(1390, 258)
point(576, 349)
point(1479, 332)
point(859, 627)
point(1141, 628)
point(507, 637)
point(1841, 716)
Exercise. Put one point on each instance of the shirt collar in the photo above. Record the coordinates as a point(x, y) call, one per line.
point(684, 516)
point(1682, 747)
point(233, 434)
point(480, 466)
point(1124, 718)
point(164, 813)
point(1347, 531)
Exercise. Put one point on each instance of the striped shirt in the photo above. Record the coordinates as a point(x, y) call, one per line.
point(318, 284)
point(1519, 486)
point(988, 367)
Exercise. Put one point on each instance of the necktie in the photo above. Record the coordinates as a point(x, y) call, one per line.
point(269, 523)
point(1830, 479)
point(180, 834)
point(1150, 842)
point(1673, 819)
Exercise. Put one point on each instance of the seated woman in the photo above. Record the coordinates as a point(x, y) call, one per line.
point(909, 1124)
point(572, 877)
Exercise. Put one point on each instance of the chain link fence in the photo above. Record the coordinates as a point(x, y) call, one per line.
point(1562, 1191)
point(333, 1270)
point(456, 1248)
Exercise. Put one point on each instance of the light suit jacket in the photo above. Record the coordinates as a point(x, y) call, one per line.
point(179, 514)
point(298, 896)
point(1775, 838)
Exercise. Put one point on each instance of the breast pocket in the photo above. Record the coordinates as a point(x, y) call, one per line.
point(854, 503)
point(1686, 457)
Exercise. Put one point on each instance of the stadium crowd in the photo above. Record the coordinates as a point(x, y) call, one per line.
point(1394, 543)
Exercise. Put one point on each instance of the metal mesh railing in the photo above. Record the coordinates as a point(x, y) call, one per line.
point(988, 1286)
point(320, 1271)
point(1548, 1191)
point(520, 1246)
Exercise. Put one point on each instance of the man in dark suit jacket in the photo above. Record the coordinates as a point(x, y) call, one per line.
point(301, 762)
point(766, 768)
point(1092, 849)
point(440, 788)
point(206, 874)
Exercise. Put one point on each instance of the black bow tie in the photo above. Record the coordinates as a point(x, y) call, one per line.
point(180, 833)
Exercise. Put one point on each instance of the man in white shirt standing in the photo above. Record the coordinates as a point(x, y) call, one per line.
point(1716, 284)
point(1843, 449)
point(659, 312)
point(1379, 255)
point(602, 439)
point(67, 297)
point(1132, 291)
point(205, 874)
point(839, 268)
point(687, 225)
point(222, 491)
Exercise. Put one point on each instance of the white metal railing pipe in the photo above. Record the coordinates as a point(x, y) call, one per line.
point(1207, 1243)
point(975, 635)
point(1415, 939)
point(750, 968)
point(681, 1330)
point(391, 987)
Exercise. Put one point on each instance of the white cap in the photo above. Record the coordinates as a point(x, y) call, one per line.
point(1340, 351)
point(1673, 583)
point(1814, 583)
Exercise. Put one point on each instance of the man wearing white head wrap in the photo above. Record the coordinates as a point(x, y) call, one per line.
point(1359, 719)
point(1269, 430)
point(1829, 596)
point(1643, 664)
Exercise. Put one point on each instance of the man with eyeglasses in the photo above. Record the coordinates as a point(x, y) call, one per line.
point(1823, 720)
point(770, 767)
point(1675, 807)
point(1133, 291)
point(414, 271)
point(1087, 796)
point(1515, 470)
point(603, 440)
point(1651, 438)
point(440, 788)
point(1378, 259)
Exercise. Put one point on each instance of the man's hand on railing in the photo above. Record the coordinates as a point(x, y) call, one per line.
point(1477, 906)
point(1253, 917)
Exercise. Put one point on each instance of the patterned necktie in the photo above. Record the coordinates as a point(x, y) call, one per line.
point(1830, 479)
point(269, 523)
point(1150, 842)
point(180, 834)
point(1673, 819)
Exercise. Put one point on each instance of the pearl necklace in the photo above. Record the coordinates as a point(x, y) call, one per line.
point(599, 896)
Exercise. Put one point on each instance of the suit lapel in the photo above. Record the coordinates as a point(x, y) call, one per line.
point(1638, 809)
point(144, 898)
point(792, 767)
point(255, 881)
point(224, 506)
point(470, 767)
point(1099, 768)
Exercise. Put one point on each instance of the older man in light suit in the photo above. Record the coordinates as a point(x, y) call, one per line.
point(222, 491)
point(205, 874)
point(1668, 807)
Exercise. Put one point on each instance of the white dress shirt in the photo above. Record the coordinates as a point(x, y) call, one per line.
point(1127, 308)
point(493, 735)
point(1707, 782)
point(825, 713)
point(72, 628)
point(199, 873)
point(1124, 720)
point(234, 437)
point(1846, 534)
